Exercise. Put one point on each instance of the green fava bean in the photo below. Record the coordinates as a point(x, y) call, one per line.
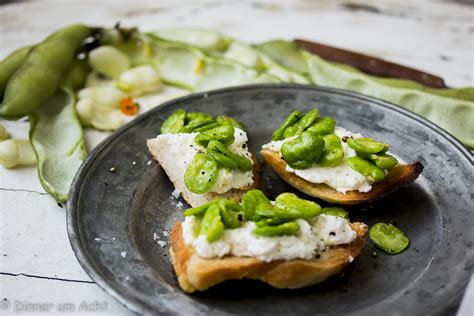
point(198, 116)
point(231, 211)
point(335, 211)
point(174, 123)
point(323, 125)
point(292, 204)
point(212, 225)
point(251, 200)
point(206, 127)
point(367, 145)
point(9, 65)
point(194, 125)
point(201, 174)
point(388, 238)
point(270, 221)
point(199, 210)
point(224, 134)
point(289, 228)
point(226, 120)
point(290, 120)
point(222, 160)
point(305, 122)
point(244, 164)
point(333, 153)
point(366, 168)
point(384, 161)
point(303, 151)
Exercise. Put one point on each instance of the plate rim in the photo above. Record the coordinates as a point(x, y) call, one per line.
point(140, 306)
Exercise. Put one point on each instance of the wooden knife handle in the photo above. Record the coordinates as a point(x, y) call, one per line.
point(371, 65)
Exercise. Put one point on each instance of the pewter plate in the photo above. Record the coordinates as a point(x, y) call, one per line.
point(132, 209)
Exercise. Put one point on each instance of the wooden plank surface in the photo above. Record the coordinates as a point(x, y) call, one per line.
point(36, 260)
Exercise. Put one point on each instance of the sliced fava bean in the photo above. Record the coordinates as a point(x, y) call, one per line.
point(198, 116)
point(251, 200)
point(244, 163)
point(289, 121)
point(230, 213)
point(289, 228)
point(212, 225)
point(366, 168)
point(302, 124)
point(367, 145)
point(222, 160)
point(206, 127)
point(199, 210)
point(194, 125)
point(297, 207)
point(15, 152)
point(174, 123)
point(227, 120)
point(384, 161)
point(201, 174)
point(224, 134)
point(323, 125)
point(333, 153)
point(270, 221)
point(388, 238)
point(335, 211)
point(303, 151)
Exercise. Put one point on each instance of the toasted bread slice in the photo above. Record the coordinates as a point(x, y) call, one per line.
point(194, 199)
point(197, 273)
point(397, 176)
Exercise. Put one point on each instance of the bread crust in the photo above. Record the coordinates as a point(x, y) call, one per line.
point(396, 177)
point(199, 199)
point(197, 273)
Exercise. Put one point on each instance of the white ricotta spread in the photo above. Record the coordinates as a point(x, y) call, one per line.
point(180, 150)
point(325, 230)
point(342, 178)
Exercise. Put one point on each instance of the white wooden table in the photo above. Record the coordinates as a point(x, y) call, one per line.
point(37, 265)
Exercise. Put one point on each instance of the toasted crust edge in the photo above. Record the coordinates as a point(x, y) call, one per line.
point(399, 175)
point(196, 273)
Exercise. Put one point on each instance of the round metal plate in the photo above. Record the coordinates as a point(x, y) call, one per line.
point(132, 209)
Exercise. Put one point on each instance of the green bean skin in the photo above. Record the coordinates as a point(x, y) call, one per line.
point(174, 123)
point(335, 211)
point(333, 153)
point(289, 228)
point(201, 174)
point(244, 164)
point(366, 168)
point(303, 151)
point(194, 125)
point(224, 134)
point(290, 120)
point(227, 120)
point(383, 161)
point(295, 206)
point(323, 125)
point(302, 124)
point(251, 200)
point(388, 238)
point(367, 145)
point(40, 74)
point(212, 225)
point(9, 65)
point(222, 160)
